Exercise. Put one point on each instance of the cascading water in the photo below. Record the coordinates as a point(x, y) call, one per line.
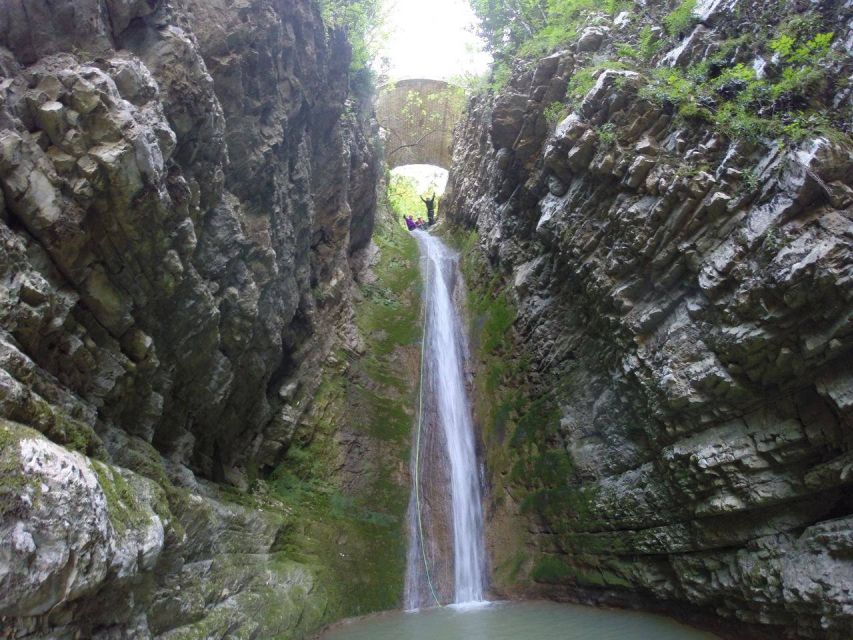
point(446, 486)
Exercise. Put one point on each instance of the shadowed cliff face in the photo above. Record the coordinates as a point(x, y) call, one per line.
point(169, 238)
point(673, 413)
point(184, 185)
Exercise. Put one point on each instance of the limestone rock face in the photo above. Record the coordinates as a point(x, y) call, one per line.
point(165, 227)
point(67, 525)
point(184, 184)
point(686, 300)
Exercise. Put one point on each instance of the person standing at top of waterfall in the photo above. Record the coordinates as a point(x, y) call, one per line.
point(430, 206)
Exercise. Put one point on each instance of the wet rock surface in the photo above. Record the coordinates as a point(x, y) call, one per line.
point(685, 300)
point(184, 186)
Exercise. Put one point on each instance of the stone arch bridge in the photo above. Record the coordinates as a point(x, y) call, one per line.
point(417, 117)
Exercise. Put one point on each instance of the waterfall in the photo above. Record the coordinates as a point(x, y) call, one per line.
point(446, 486)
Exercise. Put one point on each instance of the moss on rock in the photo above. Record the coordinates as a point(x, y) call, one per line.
point(342, 487)
point(123, 507)
point(13, 482)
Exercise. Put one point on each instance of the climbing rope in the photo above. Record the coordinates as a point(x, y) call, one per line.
point(418, 446)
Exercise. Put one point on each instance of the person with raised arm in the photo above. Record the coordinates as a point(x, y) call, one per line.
point(430, 207)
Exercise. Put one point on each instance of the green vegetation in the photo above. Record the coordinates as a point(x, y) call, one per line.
point(649, 44)
point(170, 502)
point(607, 134)
point(551, 570)
point(362, 20)
point(732, 96)
point(573, 569)
point(404, 198)
point(506, 26)
point(534, 27)
point(123, 506)
point(354, 536)
point(12, 481)
point(555, 112)
point(501, 73)
point(784, 104)
point(277, 598)
point(59, 427)
point(750, 179)
point(682, 18)
point(584, 79)
point(339, 533)
point(784, 100)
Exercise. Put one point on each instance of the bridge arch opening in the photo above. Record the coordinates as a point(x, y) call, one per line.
point(410, 185)
point(426, 178)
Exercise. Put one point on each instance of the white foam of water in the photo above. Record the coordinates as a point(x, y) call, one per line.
point(443, 363)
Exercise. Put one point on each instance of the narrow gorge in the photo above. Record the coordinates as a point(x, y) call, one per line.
point(239, 399)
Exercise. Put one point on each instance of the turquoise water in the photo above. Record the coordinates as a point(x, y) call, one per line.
point(516, 621)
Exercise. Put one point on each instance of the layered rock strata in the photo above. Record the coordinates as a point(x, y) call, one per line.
point(683, 338)
point(184, 186)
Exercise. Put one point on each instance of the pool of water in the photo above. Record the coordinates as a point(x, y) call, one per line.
point(516, 621)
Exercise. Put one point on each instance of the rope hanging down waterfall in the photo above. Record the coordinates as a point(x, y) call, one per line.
point(418, 448)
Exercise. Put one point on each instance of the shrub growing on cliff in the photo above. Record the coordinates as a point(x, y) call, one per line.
point(501, 73)
point(733, 96)
point(803, 73)
point(607, 134)
point(584, 79)
point(563, 19)
point(362, 20)
point(682, 18)
point(534, 27)
point(555, 112)
point(650, 44)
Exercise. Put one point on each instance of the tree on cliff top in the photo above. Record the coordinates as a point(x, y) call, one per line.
point(529, 27)
point(363, 21)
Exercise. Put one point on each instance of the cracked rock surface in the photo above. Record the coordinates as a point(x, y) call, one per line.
point(685, 301)
point(184, 184)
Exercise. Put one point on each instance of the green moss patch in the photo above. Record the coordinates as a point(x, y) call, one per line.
point(169, 501)
point(564, 570)
point(13, 481)
point(123, 505)
point(352, 536)
point(551, 570)
point(59, 427)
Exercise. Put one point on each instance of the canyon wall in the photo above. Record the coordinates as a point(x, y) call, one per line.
point(661, 308)
point(187, 189)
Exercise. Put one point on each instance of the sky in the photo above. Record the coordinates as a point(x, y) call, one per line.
point(427, 177)
point(432, 39)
